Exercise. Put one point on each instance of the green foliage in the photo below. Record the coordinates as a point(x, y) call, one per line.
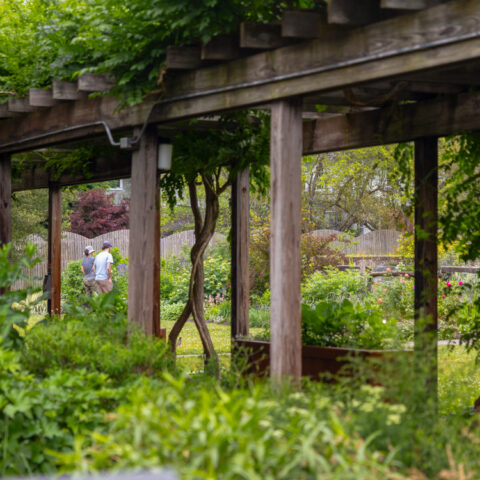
point(42, 40)
point(205, 431)
point(101, 340)
point(344, 324)
point(14, 307)
point(42, 416)
point(169, 312)
point(333, 284)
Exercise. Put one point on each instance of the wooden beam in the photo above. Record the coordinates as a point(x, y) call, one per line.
point(157, 330)
point(384, 50)
point(183, 58)
point(240, 296)
point(108, 167)
point(409, 4)
point(54, 262)
point(353, 12)
point(71, 114)
point(442, 117)
point(5, 112)
point(262, 36)
point(286, 160)
point(67, 91)
point(38, 97)
point(5, 199)
point(222, 47)
point(426, 264)
point(94, 82)
point(142, 305)
point(19, 105)
point(305, 24)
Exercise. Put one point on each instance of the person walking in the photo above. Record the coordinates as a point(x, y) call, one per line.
point(103, 269)
point(88, 271)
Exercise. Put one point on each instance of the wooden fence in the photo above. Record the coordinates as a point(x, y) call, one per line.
point(73, 246)
point(379, 242)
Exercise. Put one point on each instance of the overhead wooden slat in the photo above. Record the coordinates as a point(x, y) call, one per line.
point(93, 82)
point(38, 97)
point(19, 105)
point(262, 36)
point(355, 12)
point(5, 112)
point(222, 47)
point(409, 4)
point(183, 58)
point(67, 91)
point(306, 24)
point(446, 116)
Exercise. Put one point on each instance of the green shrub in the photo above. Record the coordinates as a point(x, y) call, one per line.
point(204, 431)
point(218, 312)
point(260, 317)
point(333, 284)
point(15, 305)
point(38, 416)
point(101, 340)
point(344, 324)
point(170, 311)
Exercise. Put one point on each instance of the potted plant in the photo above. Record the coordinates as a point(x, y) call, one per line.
point(334, 333)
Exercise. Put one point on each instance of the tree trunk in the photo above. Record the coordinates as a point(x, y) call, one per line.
point(204, 230)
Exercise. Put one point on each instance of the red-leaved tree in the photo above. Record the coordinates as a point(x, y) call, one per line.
point(96, 214)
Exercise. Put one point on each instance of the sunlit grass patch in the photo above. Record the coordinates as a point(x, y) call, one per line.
point(458, 378)
point(190, 340)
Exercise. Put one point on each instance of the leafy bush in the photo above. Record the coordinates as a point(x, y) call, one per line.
point(344, 324)
point(204, 431)
point(100, 340)
point(317, 253)
point(169, 312)
point(333, 284)
point(38, 416)
point(15, 306)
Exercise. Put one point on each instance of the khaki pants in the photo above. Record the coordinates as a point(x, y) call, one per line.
point(90, 287)
point(104, 286)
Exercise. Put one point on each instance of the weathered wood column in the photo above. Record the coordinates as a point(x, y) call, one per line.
point(240, 254)
point(54, 264)
point(5, 200)
point(285, 160)
point(426, 263)
point(144, 246)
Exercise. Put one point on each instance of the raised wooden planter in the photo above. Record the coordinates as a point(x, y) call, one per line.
point(317, 362)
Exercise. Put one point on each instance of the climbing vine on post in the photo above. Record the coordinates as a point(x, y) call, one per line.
point(210, 161)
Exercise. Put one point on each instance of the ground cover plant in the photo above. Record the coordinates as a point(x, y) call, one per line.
point(66, 405)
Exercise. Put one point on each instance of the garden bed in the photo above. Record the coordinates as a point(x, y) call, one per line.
point(318, 363)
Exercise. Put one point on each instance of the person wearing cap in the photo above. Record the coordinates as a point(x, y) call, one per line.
point(88, 271)
point(103, 269)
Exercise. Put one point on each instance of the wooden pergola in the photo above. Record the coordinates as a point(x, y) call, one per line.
point(385, 71)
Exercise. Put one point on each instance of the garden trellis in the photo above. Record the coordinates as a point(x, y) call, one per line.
point(386, 71)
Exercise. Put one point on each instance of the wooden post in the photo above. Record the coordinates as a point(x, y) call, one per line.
point(285, 159)
point(240, 254)
point(5, 200)
point(426, 263)
point(54, 266)
point(144, 247)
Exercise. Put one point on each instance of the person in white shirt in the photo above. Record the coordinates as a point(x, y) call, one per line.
point(103, 269)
